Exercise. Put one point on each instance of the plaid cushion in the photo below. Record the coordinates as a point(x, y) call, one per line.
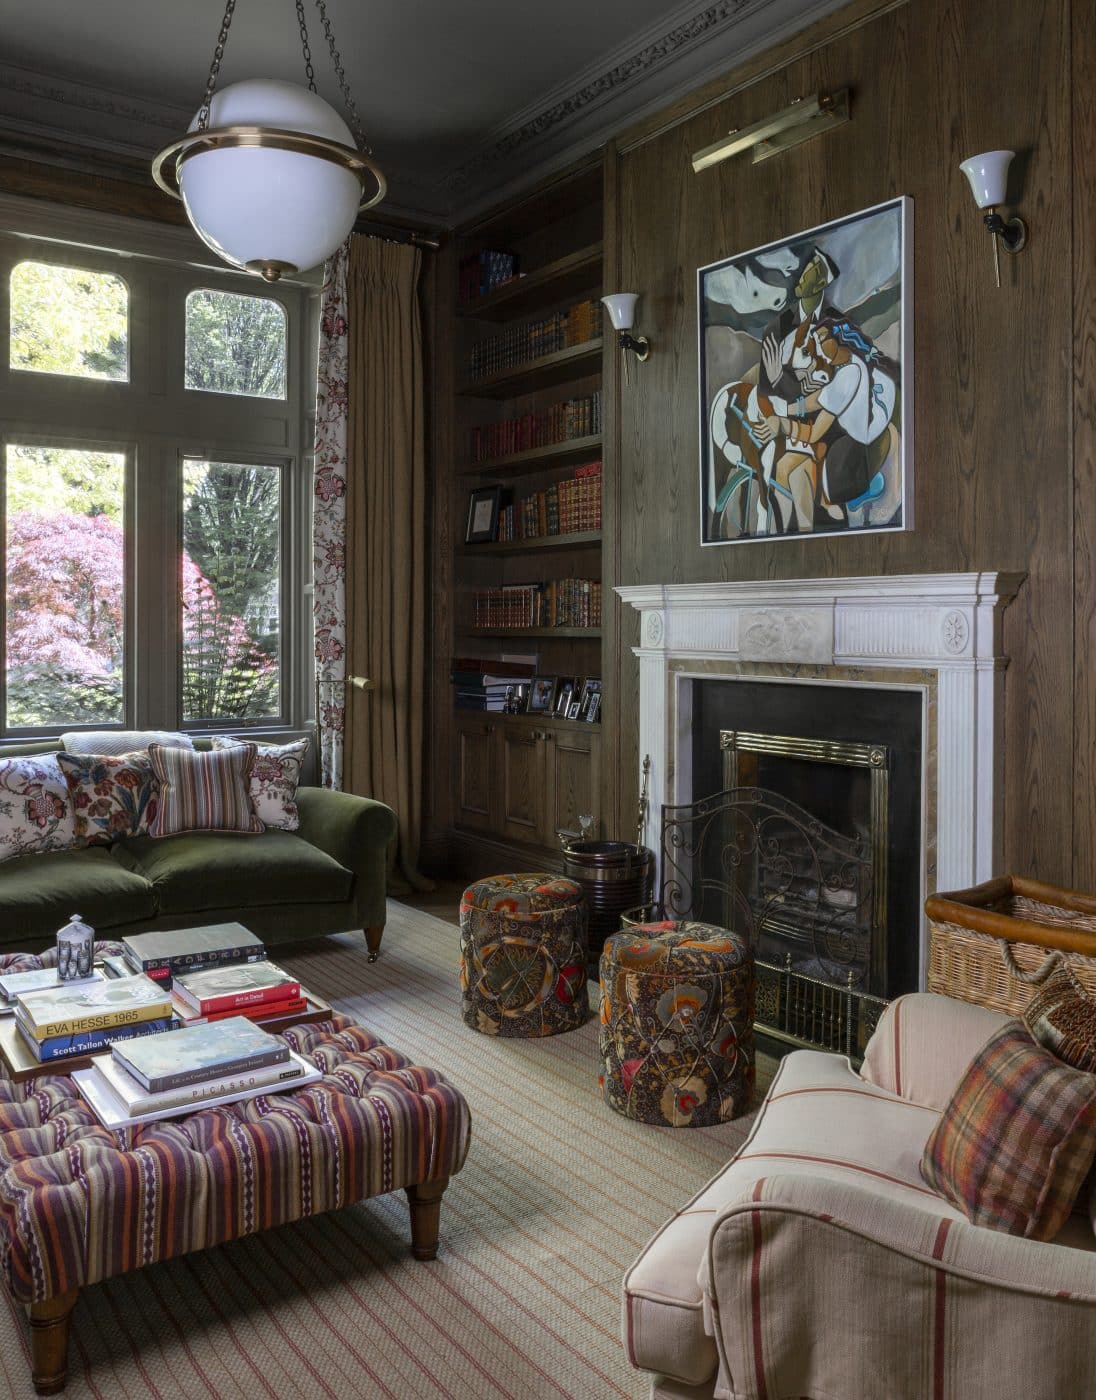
point(1062, 1018)
point(1014, 1145)
point(203, 791)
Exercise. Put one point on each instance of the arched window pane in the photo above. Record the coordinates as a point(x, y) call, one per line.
point(69, 320)
point(235, 344)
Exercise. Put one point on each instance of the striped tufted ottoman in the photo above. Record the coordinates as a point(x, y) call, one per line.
point(676, 1033)
point(523, 955)
point(79, 1204)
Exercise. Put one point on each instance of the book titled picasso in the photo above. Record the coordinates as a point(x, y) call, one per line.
point(72, 1008)
point(199, 1053)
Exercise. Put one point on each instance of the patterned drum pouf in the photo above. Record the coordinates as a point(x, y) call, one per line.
point(676, 1036)
point(523, 955)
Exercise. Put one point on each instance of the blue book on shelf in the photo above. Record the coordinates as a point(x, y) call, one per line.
point(58, 1047)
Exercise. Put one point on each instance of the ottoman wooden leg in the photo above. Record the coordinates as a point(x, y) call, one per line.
point(49, 1336)
point(373, 936)
point(425, 1203)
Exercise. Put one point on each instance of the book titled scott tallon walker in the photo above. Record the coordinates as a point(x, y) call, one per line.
point(162, 955)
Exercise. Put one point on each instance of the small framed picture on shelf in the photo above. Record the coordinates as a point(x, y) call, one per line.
point(540, 695)
point(590, 704)
point(517, 698)
point(565, 692)
point(483, 515)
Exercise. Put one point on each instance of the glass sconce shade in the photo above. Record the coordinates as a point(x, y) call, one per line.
point(260, 206)
point(621, 307)
point(988, 176)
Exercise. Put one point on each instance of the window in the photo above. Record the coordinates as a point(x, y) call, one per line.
point(69, 320)
point(231, 591)
point(235, 344)
point(65, 550)
point(155, 494)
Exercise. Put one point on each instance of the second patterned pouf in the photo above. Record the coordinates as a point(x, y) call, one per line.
point(523, 955)
point(676, 1033)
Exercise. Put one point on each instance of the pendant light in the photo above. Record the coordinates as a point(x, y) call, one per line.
point(271, 176)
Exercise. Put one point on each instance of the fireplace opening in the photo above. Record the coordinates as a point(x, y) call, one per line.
point(825, 860)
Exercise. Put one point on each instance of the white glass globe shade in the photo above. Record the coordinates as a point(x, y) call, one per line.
point(263, 205)
point(622, 309)
point(988, 177)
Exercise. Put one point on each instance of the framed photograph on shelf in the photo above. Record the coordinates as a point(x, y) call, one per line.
point(593, 709)
point(806, 372)
point(517, 698)
point(590, 699)
point(565, 691)
point(540, 695)
point(483, 515)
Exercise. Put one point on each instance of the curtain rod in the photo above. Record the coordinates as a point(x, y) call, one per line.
point(400, 235)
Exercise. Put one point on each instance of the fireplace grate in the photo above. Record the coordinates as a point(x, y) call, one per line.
point(806, 1011)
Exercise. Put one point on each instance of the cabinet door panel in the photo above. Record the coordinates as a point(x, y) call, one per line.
point(523, 814)
point(573, 780)
point(475, 775)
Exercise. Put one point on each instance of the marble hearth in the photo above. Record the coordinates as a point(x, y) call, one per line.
point(938, 636)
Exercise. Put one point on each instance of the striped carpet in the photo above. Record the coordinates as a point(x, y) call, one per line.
point(557, 1197)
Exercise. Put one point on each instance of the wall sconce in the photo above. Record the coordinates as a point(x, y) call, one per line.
point(621, 307)
point(988, 176)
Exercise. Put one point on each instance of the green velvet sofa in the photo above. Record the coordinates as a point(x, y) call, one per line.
point(327, 877)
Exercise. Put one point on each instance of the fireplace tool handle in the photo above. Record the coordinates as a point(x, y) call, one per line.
point(641, 807)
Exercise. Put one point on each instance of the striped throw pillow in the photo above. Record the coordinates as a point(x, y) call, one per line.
point(203, 791)
point(1013, 1147)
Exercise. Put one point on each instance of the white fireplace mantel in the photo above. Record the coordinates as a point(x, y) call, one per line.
point(937, 633)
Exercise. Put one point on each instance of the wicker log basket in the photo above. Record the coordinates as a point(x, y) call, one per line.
point(992, 945)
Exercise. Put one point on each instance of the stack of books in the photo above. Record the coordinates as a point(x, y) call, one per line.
point(255, 990)
point(163, 956)
point(571, 418)
point(482, 272)
point(188, 1069)
point(77, 1018)
point(564, 602)
point(14, 984)
point(484, 685)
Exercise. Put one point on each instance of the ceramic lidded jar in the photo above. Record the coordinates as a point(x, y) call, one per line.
point(75, 950)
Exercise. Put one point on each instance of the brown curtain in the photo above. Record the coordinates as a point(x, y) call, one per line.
point(386, 540)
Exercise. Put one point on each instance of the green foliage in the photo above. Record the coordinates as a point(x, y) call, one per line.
point(55, 480)
point(235, 344)
point(68, 320)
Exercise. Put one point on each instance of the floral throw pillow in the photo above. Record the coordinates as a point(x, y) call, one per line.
point(112, 796)
point(35, 812)
point(274, 778)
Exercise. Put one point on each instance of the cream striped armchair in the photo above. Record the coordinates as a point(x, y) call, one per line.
point(818, 1263)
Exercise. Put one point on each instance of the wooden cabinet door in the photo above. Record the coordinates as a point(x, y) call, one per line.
point(476, 775)
point(522, 786)
point(572, 779)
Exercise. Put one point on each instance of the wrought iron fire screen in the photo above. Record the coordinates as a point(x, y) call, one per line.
point(800, 891)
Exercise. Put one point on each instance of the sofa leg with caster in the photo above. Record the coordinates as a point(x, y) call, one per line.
point(373, 936)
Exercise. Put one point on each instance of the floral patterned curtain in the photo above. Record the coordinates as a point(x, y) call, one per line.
point(329, 520)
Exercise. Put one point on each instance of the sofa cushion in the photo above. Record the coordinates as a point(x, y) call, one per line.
point(275, 775)
point(119, 741)
point(208, 870)
point(203, 791)
point(1061, 1016)
point(819, 1119)
point(111, 795)
point(38, 893)
point(35, 811)
point(1014, 1146)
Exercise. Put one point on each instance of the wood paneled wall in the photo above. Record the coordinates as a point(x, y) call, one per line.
point(1003, 475)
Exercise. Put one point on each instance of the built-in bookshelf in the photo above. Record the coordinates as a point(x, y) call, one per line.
point(526, 424)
